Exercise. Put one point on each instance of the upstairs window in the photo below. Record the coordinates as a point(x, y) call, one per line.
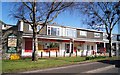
point(70, 32)
point(49, 29)
point(38, 28)
point(97, 35)
point(74, 33)
point(30, 28)
point(55, 31)
point(83, 33)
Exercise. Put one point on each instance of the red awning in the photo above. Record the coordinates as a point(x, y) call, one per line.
point(79, 41)
point(53, 40)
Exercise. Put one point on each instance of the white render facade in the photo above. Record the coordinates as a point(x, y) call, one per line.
point(67, 40)
point(55, 40)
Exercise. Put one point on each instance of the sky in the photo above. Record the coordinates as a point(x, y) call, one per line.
point(64, 18)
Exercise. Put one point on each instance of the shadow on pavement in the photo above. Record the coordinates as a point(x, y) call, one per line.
point(112, 62)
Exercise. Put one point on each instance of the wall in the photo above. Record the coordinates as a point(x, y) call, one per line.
point(89, 34)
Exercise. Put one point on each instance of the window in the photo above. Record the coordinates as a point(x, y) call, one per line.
point(67, 32)
point(74, 33)
point(92, 47)
point(83, 33)
point(38, 27)
point(67, 47)
point(88, 47)
point(49, 30)
point(118, 37)
point(97, 35)
point(70, 32)
point(5, 25)
point(55, 31)
point(30, 28)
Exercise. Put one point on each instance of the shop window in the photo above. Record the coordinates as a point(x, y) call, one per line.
point(28, 45)
point(88, 47)
point(92, 47)
point(48, 46)
point(67, 47)
point(54, 45)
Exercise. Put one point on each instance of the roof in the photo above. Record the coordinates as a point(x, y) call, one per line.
point(6, 24)
point(55, 24)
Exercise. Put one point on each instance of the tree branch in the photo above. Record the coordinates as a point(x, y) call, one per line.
point(27, 6)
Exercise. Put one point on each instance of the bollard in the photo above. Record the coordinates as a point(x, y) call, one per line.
point(76, 53)
point(56, 53)
point(49, 54)
point(41, 54)
point(64, 54)
point(70, 54)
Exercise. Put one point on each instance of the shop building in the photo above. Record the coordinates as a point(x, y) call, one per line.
point(60, 40)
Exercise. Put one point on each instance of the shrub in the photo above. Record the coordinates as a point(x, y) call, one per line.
point(94, 57)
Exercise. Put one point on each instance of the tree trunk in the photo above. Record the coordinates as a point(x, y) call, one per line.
point(110, 47)
point(34, 45)
point(34, 56)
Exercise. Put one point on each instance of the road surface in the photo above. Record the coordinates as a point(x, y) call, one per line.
point(94, 67)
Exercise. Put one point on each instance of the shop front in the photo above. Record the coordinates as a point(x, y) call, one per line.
point(59, 47)
point(45, 47)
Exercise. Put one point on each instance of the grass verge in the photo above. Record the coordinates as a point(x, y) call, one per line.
point(14, 66)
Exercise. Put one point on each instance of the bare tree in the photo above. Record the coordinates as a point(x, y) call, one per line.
point(38, 13)
point(99, 14)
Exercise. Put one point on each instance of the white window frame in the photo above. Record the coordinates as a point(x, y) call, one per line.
point(47, 30)
point(57, 28)
point(30, 28)
point(83, 33)
point(97, 35)
point(74, 33)
point(38, 27)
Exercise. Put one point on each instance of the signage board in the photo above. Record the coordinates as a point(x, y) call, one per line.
point(14, 57)
point(12, 44)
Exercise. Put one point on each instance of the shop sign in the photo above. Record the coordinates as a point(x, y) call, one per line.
point(12, 44)
point(14, 57)
point(12, 50)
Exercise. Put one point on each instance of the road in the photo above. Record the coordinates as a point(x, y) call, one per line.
point(89, 68)
point(94, 67)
